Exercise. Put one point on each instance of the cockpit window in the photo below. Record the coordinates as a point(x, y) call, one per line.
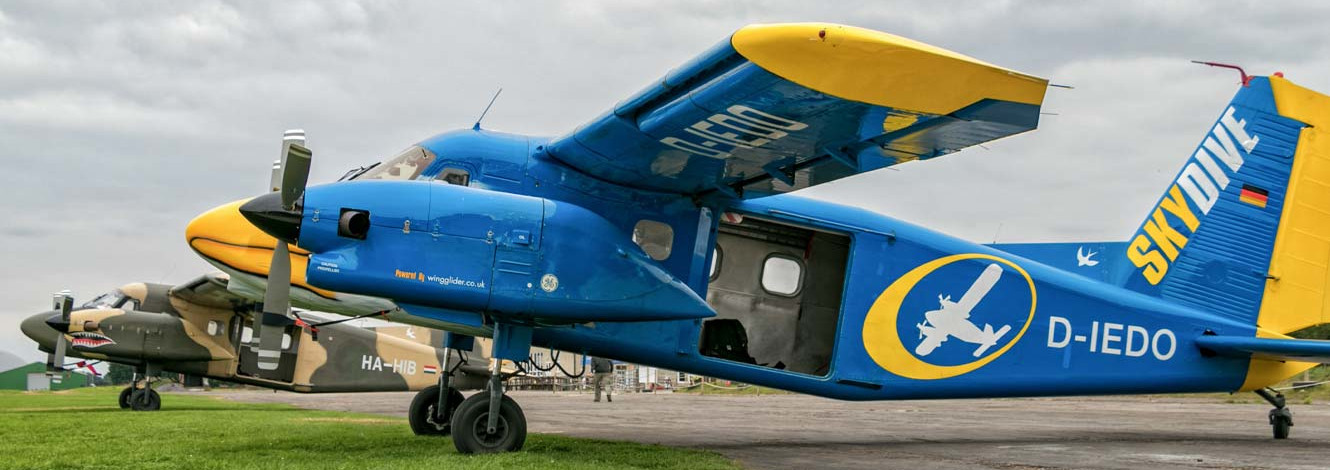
point(405, 166)
point(456, 176)
point(111, 299)
point(356, 172)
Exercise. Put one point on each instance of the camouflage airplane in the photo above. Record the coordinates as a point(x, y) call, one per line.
point(200, 328)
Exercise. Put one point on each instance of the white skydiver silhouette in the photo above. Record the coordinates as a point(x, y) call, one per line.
point(951, 320)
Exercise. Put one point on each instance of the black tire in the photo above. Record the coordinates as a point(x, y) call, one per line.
point(471, 419)
point(124, 397)
point(1281, 427)
point(145, 399)
point(422, 411)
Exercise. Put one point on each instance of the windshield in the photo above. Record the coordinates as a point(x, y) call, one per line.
point(405, 166)
point(111, 299)
point(356, 172)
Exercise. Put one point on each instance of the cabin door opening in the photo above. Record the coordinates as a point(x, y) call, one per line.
point(777, 291)
point(248, 347)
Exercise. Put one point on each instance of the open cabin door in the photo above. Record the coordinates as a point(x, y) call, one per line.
point(247, 350)
point(777, 291)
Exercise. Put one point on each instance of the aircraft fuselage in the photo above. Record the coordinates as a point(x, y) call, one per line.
point(531, 241)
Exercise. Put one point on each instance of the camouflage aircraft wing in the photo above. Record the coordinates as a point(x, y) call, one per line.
point(209, 290)
point(776, 108)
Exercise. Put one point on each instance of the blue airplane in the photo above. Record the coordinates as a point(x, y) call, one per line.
point(662, 233)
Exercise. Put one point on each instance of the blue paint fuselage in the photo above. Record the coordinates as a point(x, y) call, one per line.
point(532, 241)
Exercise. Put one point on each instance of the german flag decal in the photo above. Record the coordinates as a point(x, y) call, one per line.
point(1254, 195)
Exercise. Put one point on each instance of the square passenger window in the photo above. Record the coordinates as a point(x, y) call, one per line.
point(782, 275)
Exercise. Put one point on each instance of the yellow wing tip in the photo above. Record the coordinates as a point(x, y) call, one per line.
point(879, 68)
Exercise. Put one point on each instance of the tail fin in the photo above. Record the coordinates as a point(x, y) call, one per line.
point(1244, 229)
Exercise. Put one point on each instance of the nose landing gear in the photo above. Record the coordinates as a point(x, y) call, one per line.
point(1281, 419)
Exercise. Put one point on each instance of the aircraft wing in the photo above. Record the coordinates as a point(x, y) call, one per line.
point(208, 290)
point(776, 108)
point(1299, 350)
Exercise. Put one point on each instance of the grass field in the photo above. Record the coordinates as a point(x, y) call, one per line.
point(84, 429)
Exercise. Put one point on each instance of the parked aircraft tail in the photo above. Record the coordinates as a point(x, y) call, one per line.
point(1244, 229)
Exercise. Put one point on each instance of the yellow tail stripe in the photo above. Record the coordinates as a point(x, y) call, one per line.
point(1295, 296)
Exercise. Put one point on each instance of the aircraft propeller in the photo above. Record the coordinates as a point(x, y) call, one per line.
point(277, 296)
point(55, 361)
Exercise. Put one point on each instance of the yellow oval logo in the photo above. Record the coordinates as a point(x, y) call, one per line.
point(950, 316)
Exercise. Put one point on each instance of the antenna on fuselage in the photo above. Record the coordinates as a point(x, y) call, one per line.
point(476, 127)
point(1245, 78)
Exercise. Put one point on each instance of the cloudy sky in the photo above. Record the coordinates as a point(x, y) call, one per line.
point(120, 121)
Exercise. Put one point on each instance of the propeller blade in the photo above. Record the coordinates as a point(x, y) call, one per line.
point(295, 173)
point(295, 164)
point(55, 362)
point(51, 367)
point(276, 308)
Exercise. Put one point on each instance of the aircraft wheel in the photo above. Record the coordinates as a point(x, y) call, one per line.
point(422, 413)
point(124, 397)
point(145, 399)
point(1281, 420)
point(471, 426)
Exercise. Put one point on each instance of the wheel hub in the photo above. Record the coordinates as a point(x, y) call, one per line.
point(482, 430)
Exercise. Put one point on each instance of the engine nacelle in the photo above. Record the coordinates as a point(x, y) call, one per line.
point(473, 250)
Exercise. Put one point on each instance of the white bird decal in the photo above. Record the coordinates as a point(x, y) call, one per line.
point(1084, 259)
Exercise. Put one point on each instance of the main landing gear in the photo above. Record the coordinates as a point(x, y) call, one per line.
point(425, 418)
point(1281, 419)
point(489, 421)
point(140, 396)
point(431, 412)
point(486, 422)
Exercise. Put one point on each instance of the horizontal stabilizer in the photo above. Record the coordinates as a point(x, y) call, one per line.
point(1300, 350)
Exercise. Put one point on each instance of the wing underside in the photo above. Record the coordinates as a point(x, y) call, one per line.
point(776, 108)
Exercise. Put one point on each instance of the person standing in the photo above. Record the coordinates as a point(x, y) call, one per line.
point(604, 378)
